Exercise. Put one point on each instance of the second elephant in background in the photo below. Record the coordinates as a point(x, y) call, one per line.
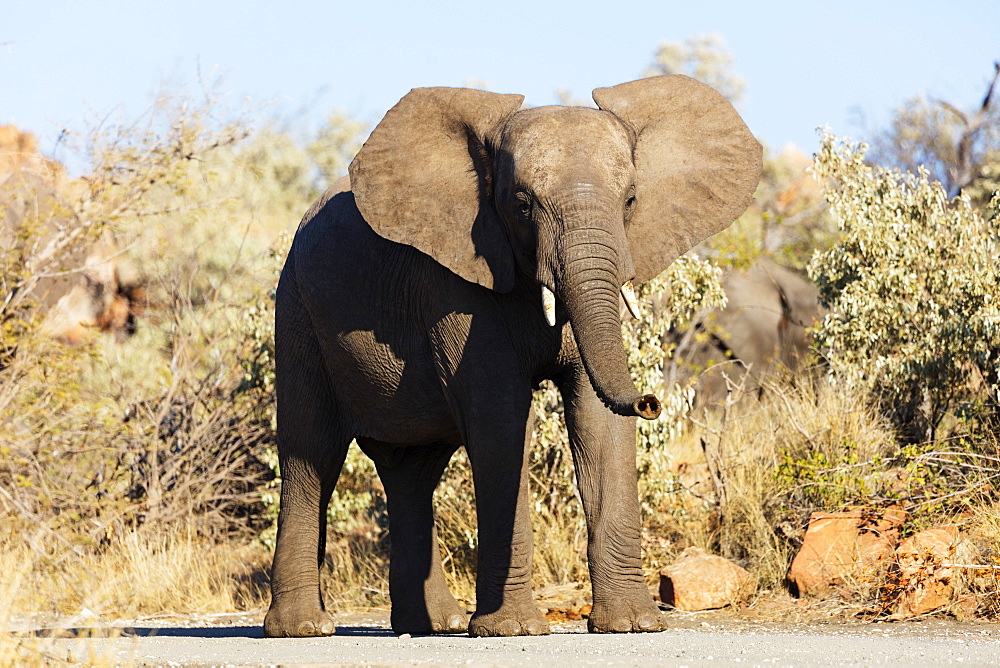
point(762, 332)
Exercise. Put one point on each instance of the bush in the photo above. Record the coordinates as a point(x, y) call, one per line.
point(913, 285)
point(107, 441)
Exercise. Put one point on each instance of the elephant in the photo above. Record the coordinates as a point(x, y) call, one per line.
point(762, 331)
point(476, 248)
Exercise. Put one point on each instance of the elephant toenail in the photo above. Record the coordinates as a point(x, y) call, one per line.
point(649, 624)
point(621, 626)
point(457, 622)
point(509, 627)
point(328, 629)
point(537, 628)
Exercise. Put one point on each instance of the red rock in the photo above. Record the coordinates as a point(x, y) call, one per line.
point(842, 548)
point(924, 574)
point(966, 607)
point(700, 581)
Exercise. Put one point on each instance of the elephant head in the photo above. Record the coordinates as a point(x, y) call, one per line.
point(761, 333)
point(579, 201)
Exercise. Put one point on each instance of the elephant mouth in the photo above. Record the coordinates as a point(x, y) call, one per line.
point(549, 302)
point(601, 348)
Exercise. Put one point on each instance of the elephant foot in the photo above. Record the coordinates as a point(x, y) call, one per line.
point(630, 614)
point(510, 620)
point(291, 620)
point(444, 618)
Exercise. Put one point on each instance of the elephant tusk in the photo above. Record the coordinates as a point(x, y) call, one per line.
point(549, 306)
point(629, 294)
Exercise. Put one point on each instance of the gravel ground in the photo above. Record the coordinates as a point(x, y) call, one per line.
point(367, 640)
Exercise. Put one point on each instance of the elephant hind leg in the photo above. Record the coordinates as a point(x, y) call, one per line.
point(421, 601)
point(312, 446)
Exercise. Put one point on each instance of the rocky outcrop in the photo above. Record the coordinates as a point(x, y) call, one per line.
point(923, 579)
point(843, 548)
point(858, 550)
point(80, 285)
point(700, 581)
point(19, 152)
point(926, 579)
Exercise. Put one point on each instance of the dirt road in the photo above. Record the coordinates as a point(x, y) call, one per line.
point(367, 640)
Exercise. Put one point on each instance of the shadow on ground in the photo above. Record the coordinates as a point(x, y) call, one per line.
point(186, 632)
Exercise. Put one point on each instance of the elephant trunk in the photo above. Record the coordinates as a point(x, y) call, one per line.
point(590, 287)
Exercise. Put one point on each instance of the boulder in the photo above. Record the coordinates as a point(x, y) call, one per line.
point(700, 581)
point(923, 573)
point(843, 548)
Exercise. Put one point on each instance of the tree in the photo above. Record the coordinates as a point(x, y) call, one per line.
point(335, 145)
point(961, 149)
point(701, 57)
point(912, 284)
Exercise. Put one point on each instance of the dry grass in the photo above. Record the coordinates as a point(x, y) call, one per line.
point(135, 477)
point(741, 505)
point(42, 584)
point(140, 574)
point(28, 652)
point(982, 528)
point(146, 571)
point(767, 462)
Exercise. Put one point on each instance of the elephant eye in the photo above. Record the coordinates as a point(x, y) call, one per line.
point(629, 205)
point(524, 204)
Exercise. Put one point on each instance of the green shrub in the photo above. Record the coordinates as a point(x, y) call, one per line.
point(913, 285)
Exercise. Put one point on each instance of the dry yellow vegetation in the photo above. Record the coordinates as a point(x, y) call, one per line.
point(138, 478)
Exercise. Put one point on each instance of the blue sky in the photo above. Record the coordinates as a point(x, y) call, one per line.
point(845, 64)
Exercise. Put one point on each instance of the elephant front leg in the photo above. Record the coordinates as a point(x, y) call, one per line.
point(505, 605)
point(490, 399)
point(603, 446)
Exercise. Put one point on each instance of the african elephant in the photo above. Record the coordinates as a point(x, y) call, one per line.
point(477, 249)
point(761, 331)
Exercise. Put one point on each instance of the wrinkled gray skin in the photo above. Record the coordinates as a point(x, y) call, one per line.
point(761, 333)
point(409, 317)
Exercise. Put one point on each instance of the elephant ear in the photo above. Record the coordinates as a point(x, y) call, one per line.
point(697, 165)
point(424, 178)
